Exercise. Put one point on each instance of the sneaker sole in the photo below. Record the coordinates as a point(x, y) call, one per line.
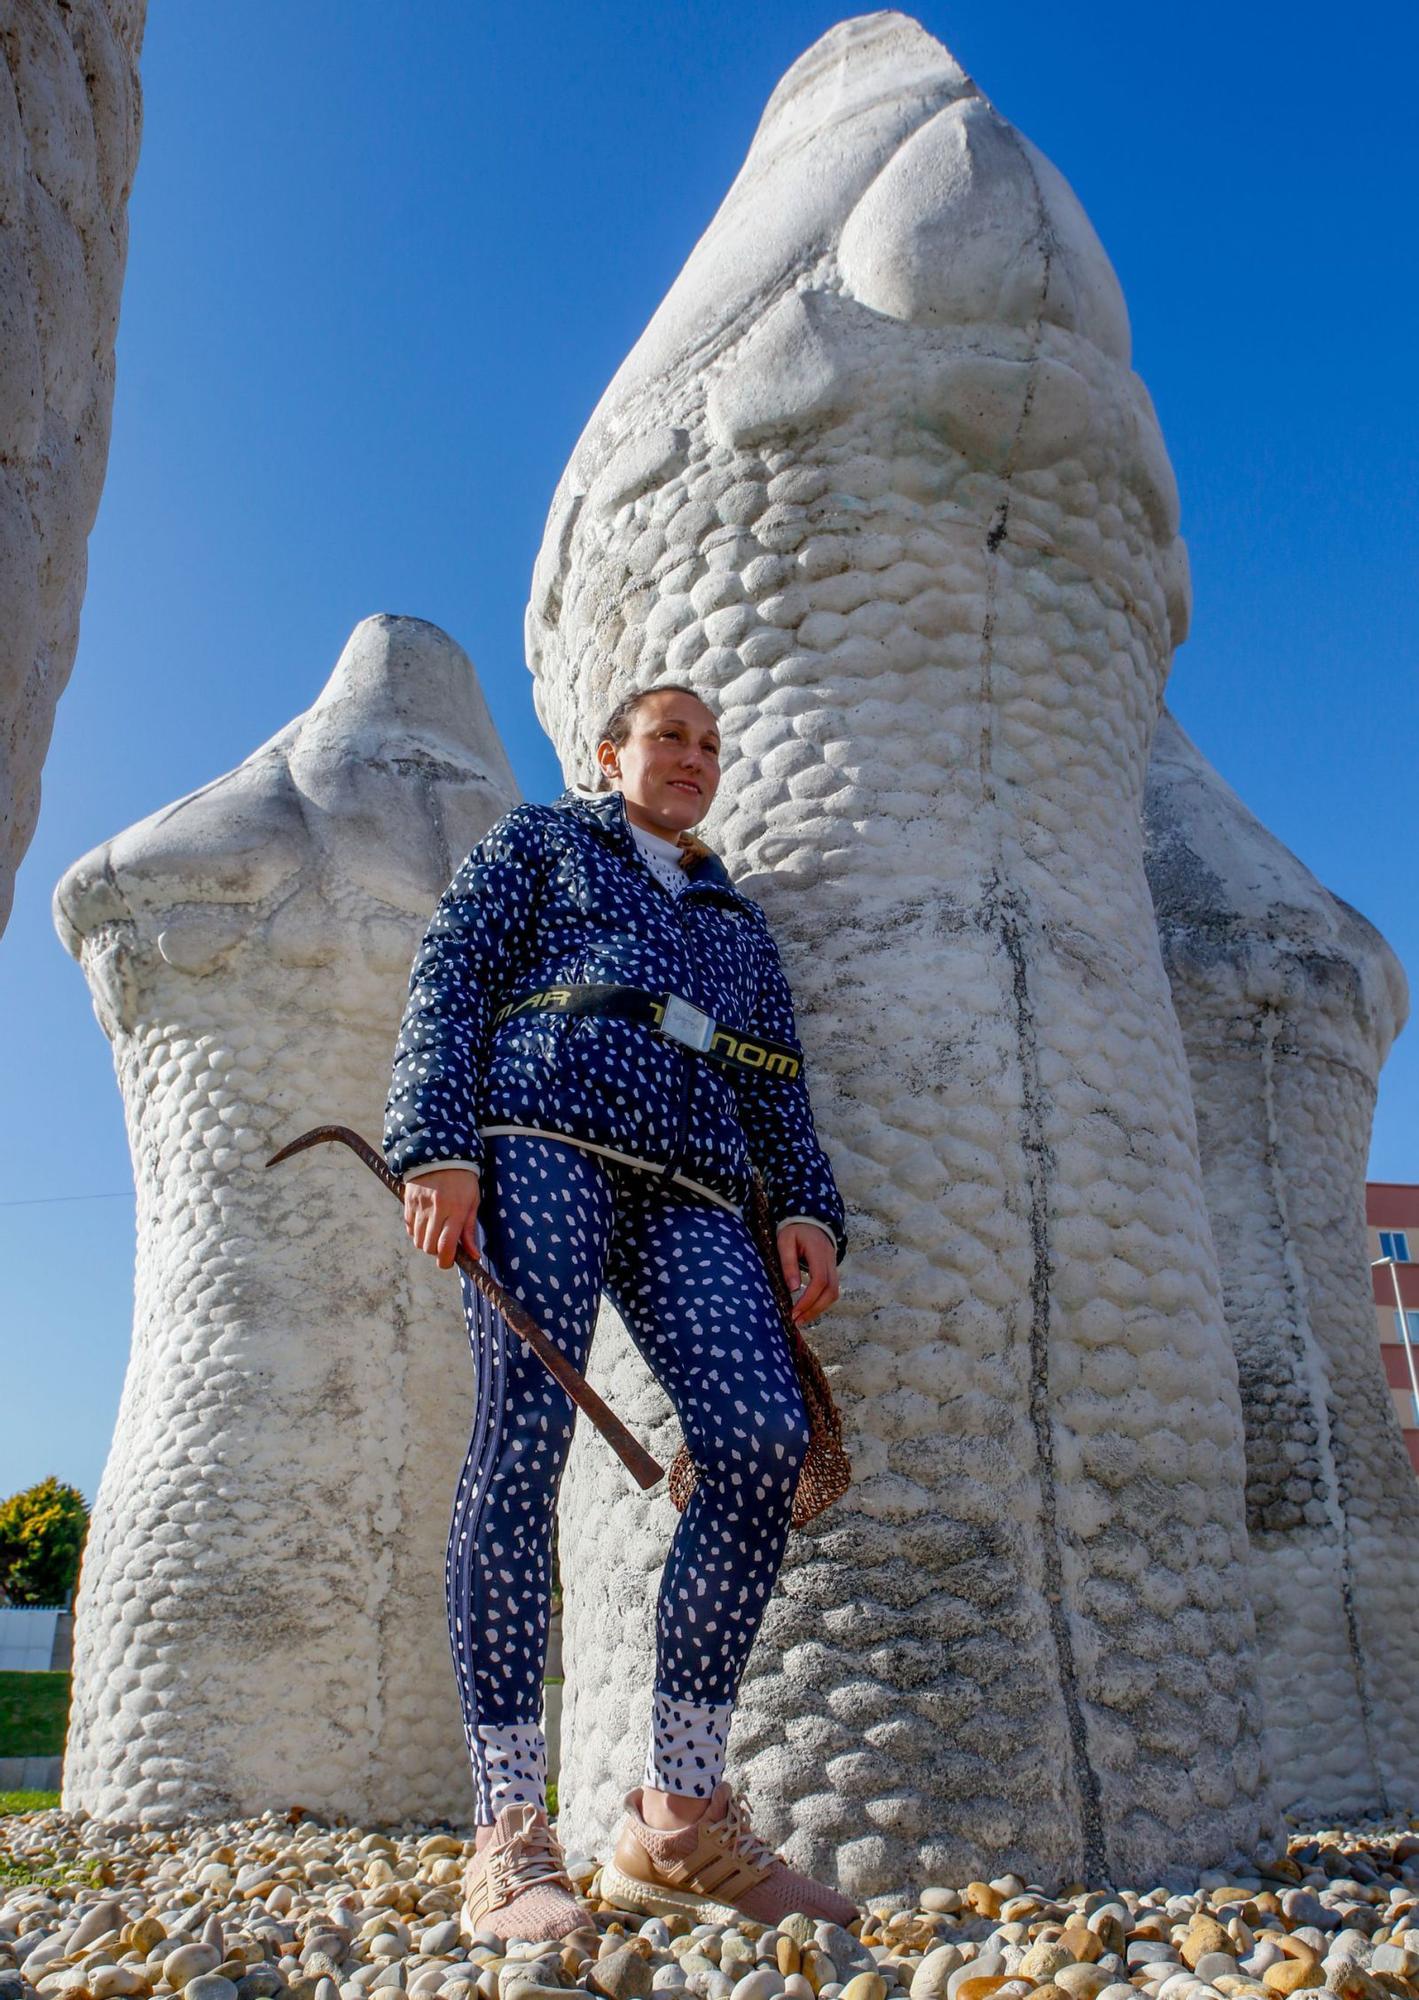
point(626, 1893)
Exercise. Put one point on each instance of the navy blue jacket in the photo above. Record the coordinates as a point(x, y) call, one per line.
point(560, 894)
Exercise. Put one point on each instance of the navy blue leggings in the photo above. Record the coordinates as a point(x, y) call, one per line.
point(559, 1224)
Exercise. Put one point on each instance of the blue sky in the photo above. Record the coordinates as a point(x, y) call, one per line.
point(385, 256)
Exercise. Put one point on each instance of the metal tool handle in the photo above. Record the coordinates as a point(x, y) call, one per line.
point(636, 1459)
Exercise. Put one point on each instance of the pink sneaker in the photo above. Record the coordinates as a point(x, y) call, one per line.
point(712, 1871)
point(517, 1886)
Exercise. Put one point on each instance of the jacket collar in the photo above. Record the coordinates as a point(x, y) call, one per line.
point(605, 813)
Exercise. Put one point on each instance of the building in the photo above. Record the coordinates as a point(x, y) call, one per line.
point(1392, 1216)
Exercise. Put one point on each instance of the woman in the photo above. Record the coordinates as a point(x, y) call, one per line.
point(546, 1114)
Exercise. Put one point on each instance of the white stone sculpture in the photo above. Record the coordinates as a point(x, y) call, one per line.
point(260, 1617)
point(70, 115)
point(1289, 1001)
point(880, 481)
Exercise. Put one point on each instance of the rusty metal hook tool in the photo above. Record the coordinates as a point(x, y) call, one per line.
point(636, 1459)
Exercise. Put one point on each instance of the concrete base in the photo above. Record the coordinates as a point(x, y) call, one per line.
point(30, 1774)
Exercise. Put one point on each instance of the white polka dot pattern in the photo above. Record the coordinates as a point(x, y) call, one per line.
point(687, 1744)
point(509, 1766)
point(560, 895)
point(557, 1225)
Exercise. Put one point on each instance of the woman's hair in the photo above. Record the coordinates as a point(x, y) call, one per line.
point(617, 725)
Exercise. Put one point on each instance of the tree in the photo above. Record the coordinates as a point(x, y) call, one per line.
point(42, 1533)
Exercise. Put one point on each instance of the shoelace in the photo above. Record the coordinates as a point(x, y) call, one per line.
point(526, 1860)
point(742, 1837)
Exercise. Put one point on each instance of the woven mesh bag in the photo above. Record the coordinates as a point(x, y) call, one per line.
point(826, 1472)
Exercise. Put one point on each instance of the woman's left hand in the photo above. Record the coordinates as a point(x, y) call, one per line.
point(804, 1244)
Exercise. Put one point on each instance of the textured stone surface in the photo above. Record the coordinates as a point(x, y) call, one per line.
point(70, 115)
point(879, 480)
point(260, 1616)
point(1289, 1001)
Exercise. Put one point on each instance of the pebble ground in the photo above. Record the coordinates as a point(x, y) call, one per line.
point(290, 1908)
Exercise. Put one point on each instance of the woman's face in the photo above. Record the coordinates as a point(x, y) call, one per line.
point(668, 768)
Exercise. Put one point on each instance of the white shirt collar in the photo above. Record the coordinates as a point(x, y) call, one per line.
point(656, 842)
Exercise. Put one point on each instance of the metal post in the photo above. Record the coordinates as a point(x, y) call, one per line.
point(1403, 1328)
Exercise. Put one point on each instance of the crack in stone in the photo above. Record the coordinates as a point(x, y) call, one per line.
point(1004, 904)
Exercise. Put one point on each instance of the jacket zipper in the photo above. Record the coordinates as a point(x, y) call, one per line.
point(682, 1129)
point(685, 1058)
point(681, 1141)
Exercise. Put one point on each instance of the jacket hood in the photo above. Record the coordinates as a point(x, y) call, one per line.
point(605, 813)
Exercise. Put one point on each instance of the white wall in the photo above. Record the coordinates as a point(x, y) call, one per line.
point(27, 1636)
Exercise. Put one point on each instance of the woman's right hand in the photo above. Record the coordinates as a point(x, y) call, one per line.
point(441, 1213)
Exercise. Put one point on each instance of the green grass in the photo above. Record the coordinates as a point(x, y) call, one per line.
point(20, 1802)
point(34, 1714)
point(43, 1870)
point(17, 1874)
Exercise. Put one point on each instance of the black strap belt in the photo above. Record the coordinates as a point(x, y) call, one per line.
point(674, 1017)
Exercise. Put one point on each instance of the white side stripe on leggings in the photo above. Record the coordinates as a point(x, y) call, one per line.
point(510, 1765)
point(687, 1742)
